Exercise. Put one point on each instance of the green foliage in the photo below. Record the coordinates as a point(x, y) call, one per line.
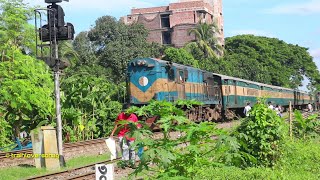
point(300, 160)
point(172, 160)
point(306, 127)
point(180, 56)
point(205, 39)
point(5, 130)
point(196, 52)
point(262, 59)
point(187, 103)
point(26, 91)
point(216, 65)
point(15, 31)
point(261, 135)
point(89, 106)
point(116, 44)
point(85, 49)
point(228, 153)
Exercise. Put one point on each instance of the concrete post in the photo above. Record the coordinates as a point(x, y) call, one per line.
point(51, 155)
point(37, 146)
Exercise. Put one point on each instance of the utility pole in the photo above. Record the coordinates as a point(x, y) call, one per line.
point(58, 104)
point(56, 30)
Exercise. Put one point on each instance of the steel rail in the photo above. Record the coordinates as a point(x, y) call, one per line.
point(68, 171)
point(66, 147)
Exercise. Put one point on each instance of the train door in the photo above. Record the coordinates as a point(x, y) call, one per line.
point(211, 88)
point(205, 86)
point(181, 84)
point(227, 92)
point(235, 92)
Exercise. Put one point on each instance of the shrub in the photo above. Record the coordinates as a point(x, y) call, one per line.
point(168, 157)
point(261, 135)
point(306, 127)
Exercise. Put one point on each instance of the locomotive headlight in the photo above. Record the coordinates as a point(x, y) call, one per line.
point(141, 62)
point(143, 81)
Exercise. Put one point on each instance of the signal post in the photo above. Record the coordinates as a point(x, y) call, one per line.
point(49, 34)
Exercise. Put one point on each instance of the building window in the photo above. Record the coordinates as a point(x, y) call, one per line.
point(202, 16)
point(165, 21)
point(166, 37)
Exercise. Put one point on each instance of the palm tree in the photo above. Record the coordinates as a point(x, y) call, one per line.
point(205, 38)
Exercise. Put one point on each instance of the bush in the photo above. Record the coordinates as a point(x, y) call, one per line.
point(300, 160)
point(169, 158)
point(261, 135)
point(6, 132)
point(306, 127)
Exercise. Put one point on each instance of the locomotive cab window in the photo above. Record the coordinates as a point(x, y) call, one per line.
point(171, 75)
point(185, 75)
point(180, 77)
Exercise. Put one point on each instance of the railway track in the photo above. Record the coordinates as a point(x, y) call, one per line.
point(66, 146)
point(74, 173)
point(307, 114)
point(88, 171)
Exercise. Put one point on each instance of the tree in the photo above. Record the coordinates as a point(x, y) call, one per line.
point(26, 85)
point(85, 49)
point(116, 44)
point(270, 61)
point(180, 56)
point(215, 65)
point(89, 106)
point(26, 89)
point(14, 27)
point(205, 39)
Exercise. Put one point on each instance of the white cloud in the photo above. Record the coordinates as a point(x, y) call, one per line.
point(315, 53)
point(307, 7)
point(251, 31)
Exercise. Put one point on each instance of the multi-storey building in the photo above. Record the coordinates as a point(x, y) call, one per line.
point(169, 25)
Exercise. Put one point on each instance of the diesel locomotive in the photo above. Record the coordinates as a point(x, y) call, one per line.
point(222, 96)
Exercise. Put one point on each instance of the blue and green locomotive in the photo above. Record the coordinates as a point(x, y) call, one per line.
point(155, 79)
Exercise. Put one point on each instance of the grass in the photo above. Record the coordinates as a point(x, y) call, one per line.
point(14, 173)
point(300, 161)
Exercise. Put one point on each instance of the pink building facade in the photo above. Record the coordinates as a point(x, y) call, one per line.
point(169, 25)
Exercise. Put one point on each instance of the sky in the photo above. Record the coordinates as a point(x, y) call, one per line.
point(294, 21)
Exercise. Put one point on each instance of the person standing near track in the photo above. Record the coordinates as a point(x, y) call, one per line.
point(278, 110)
point(270, 106)
point(247, 109)
point(310, 108)
point(125, 142)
